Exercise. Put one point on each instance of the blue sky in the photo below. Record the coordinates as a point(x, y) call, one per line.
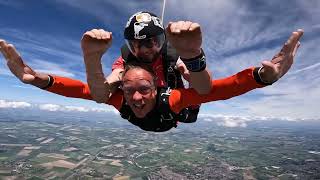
point(236, 35)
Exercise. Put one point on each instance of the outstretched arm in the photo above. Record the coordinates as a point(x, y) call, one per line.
point(243, 81)
point(94, 44)
point(222, 89)
point(186, 38)
point(55, 84)
point(59, 85)
point(280, 64)
point(21, 70)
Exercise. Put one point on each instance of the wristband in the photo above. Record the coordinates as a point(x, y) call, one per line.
point(196, 64)
point(50, 82)
point(257, 77)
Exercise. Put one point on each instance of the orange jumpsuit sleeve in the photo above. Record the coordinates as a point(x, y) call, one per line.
point(225, 88)
point(76, 89)
point(118, 64)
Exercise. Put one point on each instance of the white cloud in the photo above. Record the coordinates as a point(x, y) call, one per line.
point(105, 109)
point(236, 35)
point(316, 65)
point(232, 123)
point(241, 121)
point(46, 67)
point(25, 87)
point(49, 67)
point(55, 107)
point(56, 72)
point(316, 26)
point(50, 107)
point(14, 104)
point(227, 121)
point(102, 8)
point(33, 46)
point(76, 108)
point(6, 72)
point(207, 119)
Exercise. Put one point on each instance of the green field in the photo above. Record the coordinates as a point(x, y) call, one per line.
point(210, 152)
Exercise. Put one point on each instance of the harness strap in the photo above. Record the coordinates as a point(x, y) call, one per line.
point(173, 77)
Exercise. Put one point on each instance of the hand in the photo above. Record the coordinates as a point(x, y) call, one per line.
point(280, 64)
point(96, 42)
point(16, 64)
point(182, 68)
point(185, 37)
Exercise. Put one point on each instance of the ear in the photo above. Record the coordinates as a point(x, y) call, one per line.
point(156, 92)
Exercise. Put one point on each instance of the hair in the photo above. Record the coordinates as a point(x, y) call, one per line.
point(139, 65)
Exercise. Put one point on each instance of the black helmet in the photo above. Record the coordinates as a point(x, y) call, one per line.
point(144, 29)
point(143, 25)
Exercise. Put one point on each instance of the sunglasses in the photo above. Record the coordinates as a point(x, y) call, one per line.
point(148, 43)
point(144, 90)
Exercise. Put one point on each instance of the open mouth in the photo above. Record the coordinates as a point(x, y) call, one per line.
point(139, 106)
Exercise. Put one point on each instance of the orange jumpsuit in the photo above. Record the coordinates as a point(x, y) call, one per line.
point(224, 88)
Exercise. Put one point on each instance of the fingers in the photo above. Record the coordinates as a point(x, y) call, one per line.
point(296, 49)
point(10, 52)
point(289, 49)
point(13, 54)
point(182, 26)
point(15, 62)
point(282, 62)
point(98, 34)
point(3, 48)
point(180, 66)
point(291, 43)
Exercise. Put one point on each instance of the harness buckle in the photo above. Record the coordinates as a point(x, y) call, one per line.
point(167, 118)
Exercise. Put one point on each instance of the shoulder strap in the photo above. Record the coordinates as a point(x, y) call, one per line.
point(163, 104)
point(164, 107)
point(125, 111)
point(173, 76)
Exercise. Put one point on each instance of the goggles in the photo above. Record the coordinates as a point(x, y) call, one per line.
point(135, 45)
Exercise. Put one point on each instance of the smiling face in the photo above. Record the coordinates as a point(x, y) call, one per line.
point(147, 53)
point(139, 91)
